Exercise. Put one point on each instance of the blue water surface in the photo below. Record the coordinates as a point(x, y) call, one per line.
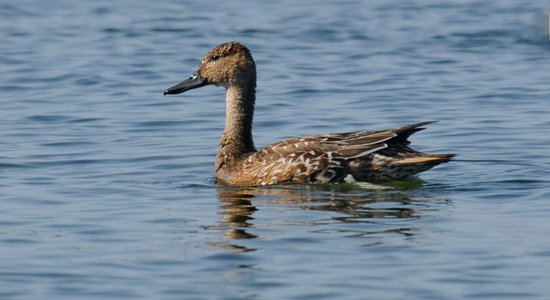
point(107, 187)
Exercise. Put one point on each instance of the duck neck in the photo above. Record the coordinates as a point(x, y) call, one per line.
point(237, 136)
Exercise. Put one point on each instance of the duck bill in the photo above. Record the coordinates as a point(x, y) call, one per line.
point(194, 81)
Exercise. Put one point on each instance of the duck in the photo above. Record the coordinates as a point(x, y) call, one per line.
point(361, 156)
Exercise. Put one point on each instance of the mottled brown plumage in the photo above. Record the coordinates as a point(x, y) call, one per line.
point(371, 156)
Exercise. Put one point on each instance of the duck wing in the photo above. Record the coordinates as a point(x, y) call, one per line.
point(324, 158)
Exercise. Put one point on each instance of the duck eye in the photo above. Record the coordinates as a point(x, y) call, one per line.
point(215, 57)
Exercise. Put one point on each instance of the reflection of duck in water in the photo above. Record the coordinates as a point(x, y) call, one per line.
point(371, 156)
point(380, 208)
point(237, 210)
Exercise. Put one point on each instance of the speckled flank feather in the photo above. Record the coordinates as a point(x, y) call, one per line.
point(371, 156)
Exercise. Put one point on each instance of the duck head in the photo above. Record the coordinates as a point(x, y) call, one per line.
point(226, 65)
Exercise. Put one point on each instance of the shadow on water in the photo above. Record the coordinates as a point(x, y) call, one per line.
point(391, 210)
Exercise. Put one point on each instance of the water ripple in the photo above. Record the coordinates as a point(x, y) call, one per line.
point(108, 190)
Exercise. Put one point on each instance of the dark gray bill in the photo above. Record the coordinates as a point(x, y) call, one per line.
point(194, 81)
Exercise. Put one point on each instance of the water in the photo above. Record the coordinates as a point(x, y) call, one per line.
point(107, 189)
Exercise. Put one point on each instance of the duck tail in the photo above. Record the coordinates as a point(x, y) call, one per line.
point(430, 160)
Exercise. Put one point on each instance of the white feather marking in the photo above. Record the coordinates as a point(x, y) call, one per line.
point(350, 179)
point(371, 186)
point(364, 153)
